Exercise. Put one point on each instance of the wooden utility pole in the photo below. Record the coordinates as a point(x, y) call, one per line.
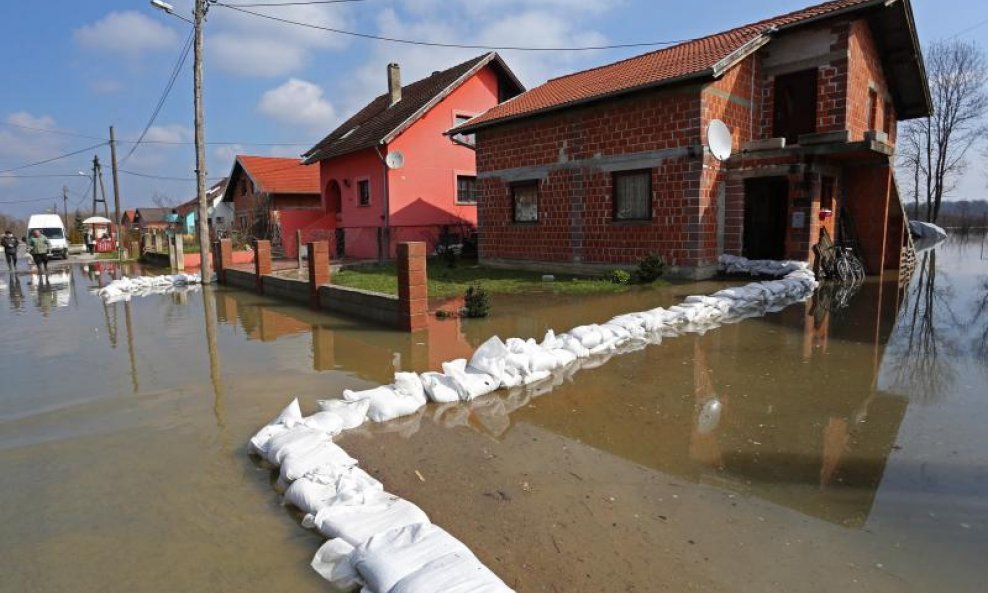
point(65, 204)
point(203, 223)
point(116, 193)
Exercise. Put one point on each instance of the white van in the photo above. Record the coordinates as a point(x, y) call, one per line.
point(50, 226)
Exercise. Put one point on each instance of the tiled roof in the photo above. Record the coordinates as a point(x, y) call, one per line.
point(151, 215)
point(275, 175)
point(379, 119)
point(695, 58)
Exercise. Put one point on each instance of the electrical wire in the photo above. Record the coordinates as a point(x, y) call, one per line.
point(34, 176)
point(164, 177)
point(252, 4)
point(31, 200)
point(55, 158)
point(179, 64)
point(437, 44)
point(52, 131)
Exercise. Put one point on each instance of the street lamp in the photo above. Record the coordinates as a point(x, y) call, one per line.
point(198, 16)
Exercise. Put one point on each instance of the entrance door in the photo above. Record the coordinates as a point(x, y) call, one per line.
point(765, 210)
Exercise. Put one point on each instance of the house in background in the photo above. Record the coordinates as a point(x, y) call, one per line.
point(127, 219)
point(272, 198)
point(599, 168)
point(388, 174)
point(152, 219)
point(220, 214)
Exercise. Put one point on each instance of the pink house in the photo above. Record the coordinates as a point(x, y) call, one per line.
point(389, 174)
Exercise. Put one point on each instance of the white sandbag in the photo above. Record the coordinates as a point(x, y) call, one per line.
point(386, 402)
point(285, 419)
point(409, 385)
point(573, 345)
point(563, 357)
point(439, 387)
point(296, 439)
point(386, 558)
point(470, 383)
point(452, 573)
point(345, 486)
point(490, 357)
point(588, 335)
point(300, 462)
point(351, 414)
point(332, 562)
point(328, 422)
point(356, 524)
point(550, 342)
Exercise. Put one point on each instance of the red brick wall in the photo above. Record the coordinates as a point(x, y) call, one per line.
point(865, 73)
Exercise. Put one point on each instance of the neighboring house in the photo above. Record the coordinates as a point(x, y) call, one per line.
point(272, 198)
point(152, 219)
point(127, 219)
point(220, 214)
point(605, 166)
point(187, 216)
point(389, 174)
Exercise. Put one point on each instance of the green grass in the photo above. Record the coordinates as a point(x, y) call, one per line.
point(448, 282)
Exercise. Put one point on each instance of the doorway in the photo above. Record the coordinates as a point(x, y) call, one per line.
point(795, 105)
point(765, 212)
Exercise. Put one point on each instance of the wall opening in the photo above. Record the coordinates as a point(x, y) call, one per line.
point(765, 211)
point(795, 105)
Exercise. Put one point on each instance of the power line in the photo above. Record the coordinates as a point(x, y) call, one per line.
point(252, 4)
point(31, 200)
point(34, 176)
point(164, 95)
point(164, 177)
point(969, 29)
point(437, 44)
point(56, 158)
point(50, 131)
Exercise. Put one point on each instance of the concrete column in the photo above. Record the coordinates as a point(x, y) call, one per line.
point(224, 258)
point(180, 253)
point(413, 296)
point(262, 262)
point(318, 269)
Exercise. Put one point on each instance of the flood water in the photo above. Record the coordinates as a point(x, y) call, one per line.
point(838, 445)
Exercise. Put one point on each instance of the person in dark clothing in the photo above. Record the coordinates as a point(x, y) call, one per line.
point(10, 243)
point(40, 247)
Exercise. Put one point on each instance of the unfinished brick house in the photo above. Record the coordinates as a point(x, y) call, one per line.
point(596, 169)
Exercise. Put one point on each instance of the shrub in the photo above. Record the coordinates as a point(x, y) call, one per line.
point(650, 268)
point(618, 276)
point(477, 302)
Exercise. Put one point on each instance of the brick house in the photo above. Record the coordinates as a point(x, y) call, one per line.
point(596, 169)
point(272, 197)
point(428, 187)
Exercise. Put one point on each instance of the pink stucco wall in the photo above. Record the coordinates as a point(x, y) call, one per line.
point(422, 194)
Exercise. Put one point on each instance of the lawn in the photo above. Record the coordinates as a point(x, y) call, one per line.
point(445, 281)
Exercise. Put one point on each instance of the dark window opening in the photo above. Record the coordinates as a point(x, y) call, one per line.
point(468, 139)
point(795, 105)
point(466, 189)
point(363, 192)
point(872, 109)
point(525, 201)
point(889, 122)
point(632, 196)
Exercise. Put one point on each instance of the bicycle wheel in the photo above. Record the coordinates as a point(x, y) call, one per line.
point(844, 271)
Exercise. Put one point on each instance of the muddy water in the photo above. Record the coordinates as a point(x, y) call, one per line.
point(837, 446)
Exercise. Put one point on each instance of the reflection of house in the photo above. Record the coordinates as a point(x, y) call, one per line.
point(272, 198)
point(429, 182)
point(604, 166)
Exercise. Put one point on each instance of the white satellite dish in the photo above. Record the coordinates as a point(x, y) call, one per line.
point(719, 140)
point(395, 160)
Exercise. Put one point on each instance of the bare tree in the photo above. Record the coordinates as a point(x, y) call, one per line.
point(935, 148)
point(163, 200)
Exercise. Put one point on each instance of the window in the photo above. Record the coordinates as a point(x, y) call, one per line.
point(363, 192)
point(872, 109)
point(633, 195)
point(219, 220)
point(466, 189)
point(794, 105)
point(469, 139)
point(889, 122)
point(525, 197)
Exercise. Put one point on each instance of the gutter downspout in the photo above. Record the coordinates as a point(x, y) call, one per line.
point(385, 253)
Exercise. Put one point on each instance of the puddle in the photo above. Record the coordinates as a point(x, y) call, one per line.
point(814, 449)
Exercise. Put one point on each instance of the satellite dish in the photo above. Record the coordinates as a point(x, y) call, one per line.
point(395, 160)
point(719, 140)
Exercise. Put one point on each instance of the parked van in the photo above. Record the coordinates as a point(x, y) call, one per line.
point(50, 226)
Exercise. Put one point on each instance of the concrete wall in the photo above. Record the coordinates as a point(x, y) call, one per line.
point(364, 304)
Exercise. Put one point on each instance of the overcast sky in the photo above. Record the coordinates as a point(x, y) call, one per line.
point(78, 67)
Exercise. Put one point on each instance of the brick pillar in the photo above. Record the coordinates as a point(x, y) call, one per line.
point(318, 269)
point(223, 254)
point(262, 262)
point(413, 301)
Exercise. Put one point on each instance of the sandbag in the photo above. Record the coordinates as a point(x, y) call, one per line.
point(332, 562)
point(344, 486)
point(328, 422)
point(452, 573)
point(351, 414)
point(439, 387)
point(285, 419)
point(300, 462)
point(470, 383)
point(358, 523)
point(386, 558)
point(296, 439)
point(386, 402)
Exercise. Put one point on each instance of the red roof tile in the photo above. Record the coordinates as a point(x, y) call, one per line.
point(690, 59)
point(275, 175)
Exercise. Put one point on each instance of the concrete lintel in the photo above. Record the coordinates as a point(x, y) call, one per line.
point(607, 163)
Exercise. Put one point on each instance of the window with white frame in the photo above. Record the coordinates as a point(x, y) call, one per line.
point(633, 195)
point(468, 139)
point(466, 189)
point(525, 200)
point(363, 192)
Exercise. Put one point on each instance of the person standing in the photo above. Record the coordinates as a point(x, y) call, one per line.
point(10, 243)
point(39, 247)
point(90, 242)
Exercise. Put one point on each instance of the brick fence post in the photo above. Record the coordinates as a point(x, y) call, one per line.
point(262, 262)
point(223, 254)
point(318, 269)
point(413, 296)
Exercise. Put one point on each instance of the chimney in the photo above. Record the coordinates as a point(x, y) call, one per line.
point(394, 82)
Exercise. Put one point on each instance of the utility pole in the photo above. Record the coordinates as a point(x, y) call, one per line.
point(203, 223)
point(116, 193)
point(65, 204)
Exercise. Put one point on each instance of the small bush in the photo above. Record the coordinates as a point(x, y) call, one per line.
point(477, 302)
point(650, 268)
point(618, 276)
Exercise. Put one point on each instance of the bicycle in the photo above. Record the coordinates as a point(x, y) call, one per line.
point(848, 266)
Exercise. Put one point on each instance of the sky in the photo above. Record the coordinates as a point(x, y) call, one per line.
point(70, 69)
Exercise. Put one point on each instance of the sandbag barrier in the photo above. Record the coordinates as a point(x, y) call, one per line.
point(385, 544)
point(125, 288)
